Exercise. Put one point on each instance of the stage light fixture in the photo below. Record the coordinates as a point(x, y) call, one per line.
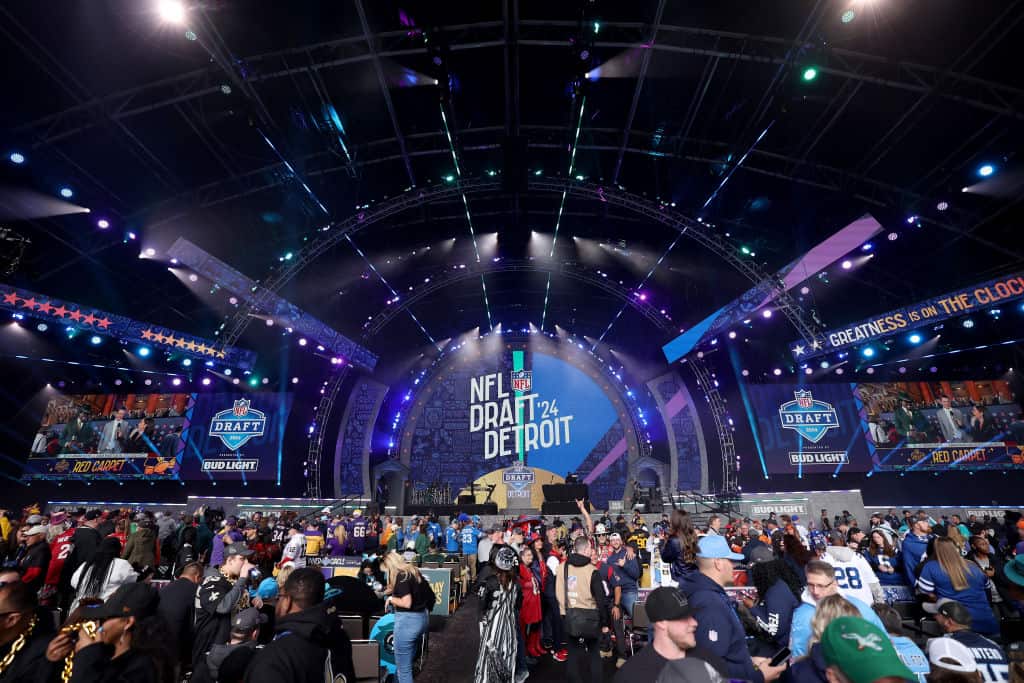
point(234, 381)
point(295, 380)
point(777, 372)
point(253, 381)
point(302, 342)
point(809, 74)
point(103, 224)
point(942, 206)
point(67, 192)
point(143, 351)
point(538, 172)
point(206, 381)
point(449, 178)
point(193, 278)
point(187, 362)
point(985, 170)
point(132, 235)
point(867, 246)
point(233, 301)
point(732, 334)
point(766, 313)
point(150, 252)
point(893, 236)
point(148, 382)
point(848, 16)
point(870, 371)
point(847, 265)
point(270, 322)
point(805, 290)
point(745, 372)
point(95, 340)
point(42, 327)
point(16, 158)
point(266, 380)
point(118, 382)
point(745, 250)
point(176, 381)
point(824, 365)
point(839, 371)
point(968, 323)
point(914, 338)
point(808, 371)
point(867, 352)
point(171, 11)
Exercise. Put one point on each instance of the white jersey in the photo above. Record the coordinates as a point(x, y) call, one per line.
point(854, 575)
point(296, 549)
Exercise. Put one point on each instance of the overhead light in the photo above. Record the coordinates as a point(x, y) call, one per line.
point(867, 246)
point(176, 381)
point(171, 11)
point(914, 338)
point(206, 381)
point(776, 372)
point(95, 340)
point(143, 351)
point(824, 365)
point(187, 362)
point(67, 192)
point(150, 252)
point(942, 206)
point(809, 74)
point(867, 352)
point(847, 265)
point(42, 327)
point(16, 158)
point(985, 170)
point(848, 16)
point(766, 313)
point(968, 323)
point(103, 223)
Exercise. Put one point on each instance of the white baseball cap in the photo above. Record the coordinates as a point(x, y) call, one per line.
point(952, 655)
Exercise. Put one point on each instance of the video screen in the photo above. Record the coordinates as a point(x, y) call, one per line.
point(887, 426)
point(166, 436)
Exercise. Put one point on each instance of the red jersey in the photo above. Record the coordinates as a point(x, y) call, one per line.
point(60, 549)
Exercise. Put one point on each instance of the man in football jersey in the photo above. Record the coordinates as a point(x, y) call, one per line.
point(451, 537)
point(955, 620)
point(357, 532)
point(469, 536)
point(434, 529)
point(60, 549)
point(295, 548)
point(821, 582)
point(854, 576)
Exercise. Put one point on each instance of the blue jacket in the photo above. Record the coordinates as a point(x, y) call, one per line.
point(451, 537)
point(800, 631)
point(911, 554)
point(895, 578)
point(627, 575)
point(718, 628)
point(811, 669)
point(774, 613)
point(673, 554)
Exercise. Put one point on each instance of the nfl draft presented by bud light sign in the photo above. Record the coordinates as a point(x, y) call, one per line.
point(809, 418)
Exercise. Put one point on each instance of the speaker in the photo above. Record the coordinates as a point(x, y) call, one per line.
point(558, 508)
point(514, 173)
point(565, 492)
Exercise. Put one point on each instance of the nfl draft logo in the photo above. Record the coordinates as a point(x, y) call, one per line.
point(239, 424)
point(518, 480)
point(809, 418)
point(522, 380)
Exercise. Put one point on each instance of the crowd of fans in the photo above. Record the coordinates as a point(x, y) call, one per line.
point(112, 595)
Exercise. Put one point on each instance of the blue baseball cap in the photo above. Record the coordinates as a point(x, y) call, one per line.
point(714, 547)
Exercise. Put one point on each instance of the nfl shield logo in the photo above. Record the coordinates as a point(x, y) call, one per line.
point(522, 380)
point(235, 427)
point(803, 398)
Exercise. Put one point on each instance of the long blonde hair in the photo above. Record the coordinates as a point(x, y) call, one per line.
point(958, 538)
point(829, 607)
point(952, 563)
point(393, 563)
point(340, 534)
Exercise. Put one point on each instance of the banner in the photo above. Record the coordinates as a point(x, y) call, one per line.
point(939, 308)
point(441, 581)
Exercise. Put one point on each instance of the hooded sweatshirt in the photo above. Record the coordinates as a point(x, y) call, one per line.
point(305, 644)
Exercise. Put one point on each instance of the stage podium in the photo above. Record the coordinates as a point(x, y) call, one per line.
point(560, 499)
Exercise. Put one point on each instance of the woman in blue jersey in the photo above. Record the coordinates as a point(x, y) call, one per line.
point(952, 577)
point(884, 560)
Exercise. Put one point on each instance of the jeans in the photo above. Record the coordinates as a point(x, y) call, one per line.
point(627, 600)
point(409, 627)
point(584, 654)
point(553, 623)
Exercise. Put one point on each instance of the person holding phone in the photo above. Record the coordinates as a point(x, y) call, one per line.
point(223, 593)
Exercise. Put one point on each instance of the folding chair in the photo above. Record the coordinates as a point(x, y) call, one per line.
point(366, 660)
point(352, 624)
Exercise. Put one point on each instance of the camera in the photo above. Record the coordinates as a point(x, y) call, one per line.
point(255, 575)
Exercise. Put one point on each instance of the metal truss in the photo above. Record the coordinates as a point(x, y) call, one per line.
point(568, 269)
point(716, 404)
point(962, 88)
point(316, 440)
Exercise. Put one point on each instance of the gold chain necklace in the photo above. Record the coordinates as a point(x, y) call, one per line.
point(17, 645)
point(90, 628)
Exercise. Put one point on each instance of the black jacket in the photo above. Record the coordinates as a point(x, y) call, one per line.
point(177, 607)
point(299, 652)
point(30, 658)
point(599, 588)
point(94, 665)
point(85, 543)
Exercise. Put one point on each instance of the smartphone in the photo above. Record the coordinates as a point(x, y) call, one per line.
point(779, 657)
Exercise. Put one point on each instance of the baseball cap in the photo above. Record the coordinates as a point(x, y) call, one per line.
point(600, 530)
point(761, 553)
point(91, 515)
point(1014, 570)
point(268, 589)
point(248, 619)
point(667, 604)
point(506, 559)
point(846, 640)
point(37, 529)
point(615, 534)
point(956, 611)
point(357, 513)
point(715, 547)
point(237, 549)
point(130, 600)
point(32, 520)
point(951, 655)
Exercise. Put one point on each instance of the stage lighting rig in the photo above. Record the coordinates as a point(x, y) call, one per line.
point(12, 251)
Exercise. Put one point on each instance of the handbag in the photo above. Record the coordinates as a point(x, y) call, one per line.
point(579, 622)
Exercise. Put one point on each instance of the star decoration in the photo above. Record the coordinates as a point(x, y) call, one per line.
point(147, 334)
point(180, 343)
point(202, 349)
point(169, 340)
point(11, 298)
point(190, 345)
point(159, 338)
point(221, 354)
point(103, 322)
point(798, 350)
point(28, 303)
point(75, 315)
point(46, 307)
point(89, 319)
point(59, 312)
